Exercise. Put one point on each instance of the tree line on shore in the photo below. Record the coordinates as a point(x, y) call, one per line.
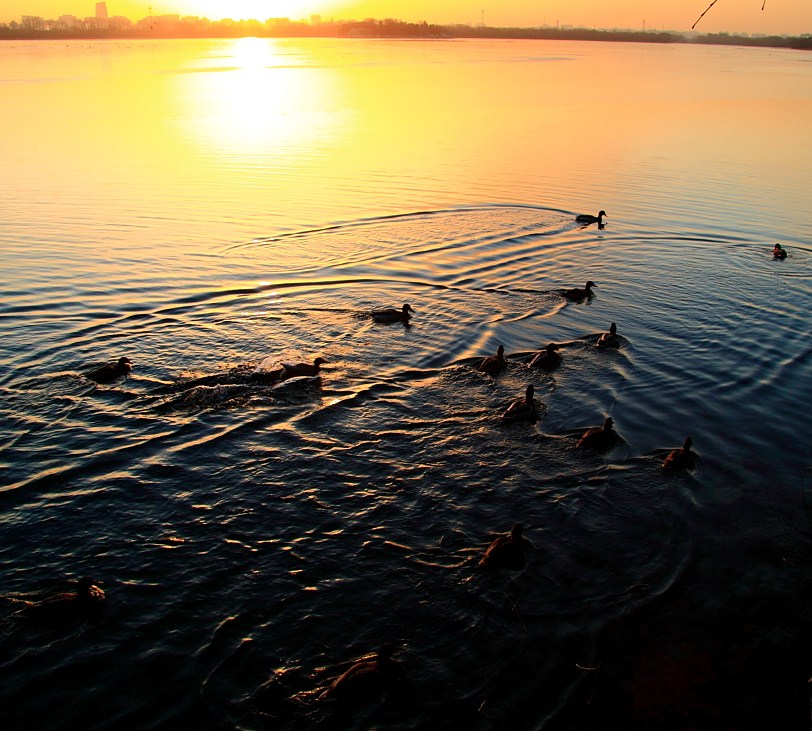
point(175, 27)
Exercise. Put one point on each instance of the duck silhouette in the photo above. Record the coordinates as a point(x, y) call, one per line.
point(522, 409)
point(291, 370)
point(589, 218)
point(493, 364)
point(86, 603)
point(610, 339)
point(546, 359)
point(679, 459)
point(507, 551)
point(366, 678)
point(393, 315)
point(598, 437)
point(778, 252)
point(111, 371)
point(576, 294)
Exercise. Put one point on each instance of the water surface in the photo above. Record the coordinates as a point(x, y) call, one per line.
point(207, 207)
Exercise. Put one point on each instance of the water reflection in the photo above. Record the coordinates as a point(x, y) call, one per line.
point(253, 97)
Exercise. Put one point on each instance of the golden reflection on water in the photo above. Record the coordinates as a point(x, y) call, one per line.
point(257, 100)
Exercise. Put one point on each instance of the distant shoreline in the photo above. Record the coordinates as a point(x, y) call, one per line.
point(183, 28)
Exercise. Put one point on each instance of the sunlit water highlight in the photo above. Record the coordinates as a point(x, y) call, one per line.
point(209, 207)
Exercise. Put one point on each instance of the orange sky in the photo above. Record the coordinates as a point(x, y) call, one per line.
point(779, 16)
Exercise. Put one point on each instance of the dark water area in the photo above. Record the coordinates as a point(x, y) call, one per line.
point(254, 538)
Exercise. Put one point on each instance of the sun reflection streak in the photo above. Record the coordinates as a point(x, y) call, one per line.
point(258, 98)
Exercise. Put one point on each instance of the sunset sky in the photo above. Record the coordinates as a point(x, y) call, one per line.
point(746, 16)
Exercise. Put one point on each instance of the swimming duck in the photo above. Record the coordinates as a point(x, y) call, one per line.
point(778, 252)
point(392, 315)
point(507, 551)
point(610, 339)
point(589, 218)
point(547, 359)
point(111, 371)
point(87, 602)
point(493, 364)
point(679, 459)
point(366, 678)
point(579, 294)
point(522, 409)
point(599, 437)
point(290, 370)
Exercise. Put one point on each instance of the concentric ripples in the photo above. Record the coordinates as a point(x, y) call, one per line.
point(253, 535)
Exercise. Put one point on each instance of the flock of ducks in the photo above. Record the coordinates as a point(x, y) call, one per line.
point(371, 675)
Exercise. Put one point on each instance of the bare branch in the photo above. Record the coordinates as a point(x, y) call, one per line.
point(763, 4)
point(706, 10)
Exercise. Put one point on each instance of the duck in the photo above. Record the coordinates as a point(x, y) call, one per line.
point(366, 678)
point(610, 339)
point(291, 370)
point(577, 294)
point(679, 459)
point(522, 409)
point(589, 218)
point(598, 437)
point(778, 252)
point(111, 371)
point(507, 551)
point(546, 359)
point(493, 364)
point(393, 315)
point(86, 603)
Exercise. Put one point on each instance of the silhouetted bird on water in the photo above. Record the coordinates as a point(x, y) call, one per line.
point(588, 218)
point(110, 372)
point(599, 437)
point(610, 339)
point(507, 551)
point(86, 603)
point(392, 315)
point(679, 459)
point(547, 359)
point(291, 370)
point(522, 409)
point(579, 294)
point(367, 678)
point(493, 364)
point(778, 252)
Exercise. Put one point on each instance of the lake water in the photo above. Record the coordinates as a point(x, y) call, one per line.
point(206, 207)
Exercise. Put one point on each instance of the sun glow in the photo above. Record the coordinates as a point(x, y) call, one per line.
point(254, 9)
point(256, 99)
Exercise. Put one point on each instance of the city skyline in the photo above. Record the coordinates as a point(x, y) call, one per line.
point(785, 17)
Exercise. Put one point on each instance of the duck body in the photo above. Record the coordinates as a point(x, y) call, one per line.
point(507, 551)
point(86, 603)
point(679, 459)
point(494, 364)
point(393, 315)
point(610, 339)
point(291, 370)
point(546, 359)
point(598, 437)
point(778, 252)
point(111, 371)
point(588, 218)
point(576, 294)
point(367, 678)
point(522, 409)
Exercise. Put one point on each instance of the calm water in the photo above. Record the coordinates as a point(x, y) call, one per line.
point(218, 205)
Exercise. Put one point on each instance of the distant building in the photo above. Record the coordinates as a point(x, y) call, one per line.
point(315, 20)
point(34, 22)
point(101, 11)
point(68, 21)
